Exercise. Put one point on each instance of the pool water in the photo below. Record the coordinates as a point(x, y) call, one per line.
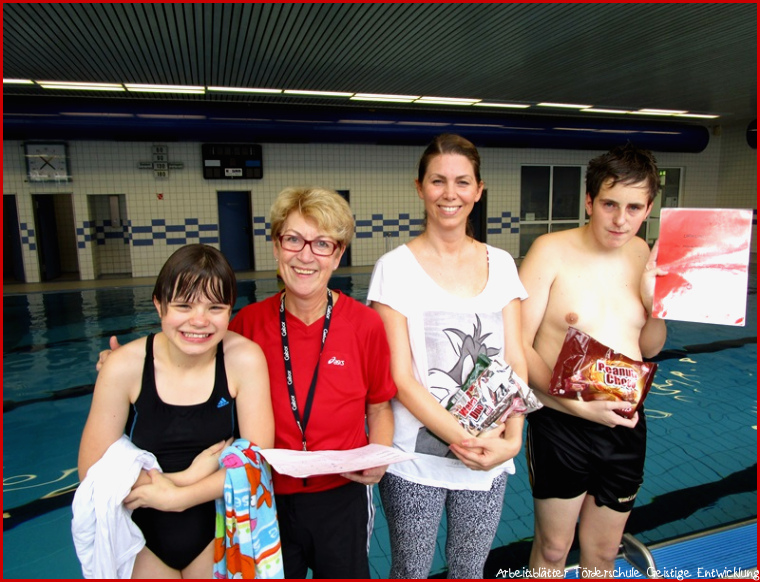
point(702, 416)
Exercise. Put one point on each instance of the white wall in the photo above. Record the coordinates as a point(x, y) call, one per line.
point(380, 179)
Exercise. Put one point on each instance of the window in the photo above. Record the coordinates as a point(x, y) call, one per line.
point(551, 199)
point(668, 197)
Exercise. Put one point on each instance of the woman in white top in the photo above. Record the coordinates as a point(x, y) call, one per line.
point(445, 298)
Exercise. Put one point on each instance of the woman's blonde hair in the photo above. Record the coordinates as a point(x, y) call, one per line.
point(325, 207)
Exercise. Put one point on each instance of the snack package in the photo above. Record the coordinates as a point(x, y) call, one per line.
point(491, 394)
point(587, 369)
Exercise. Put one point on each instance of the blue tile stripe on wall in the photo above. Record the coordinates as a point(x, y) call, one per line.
point(27, 236)
point(388, 226)
point(190, 231)
point(504, 223)
point(378, 225)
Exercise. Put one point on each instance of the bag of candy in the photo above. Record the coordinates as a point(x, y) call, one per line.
point(587, 369)
point(491, 394)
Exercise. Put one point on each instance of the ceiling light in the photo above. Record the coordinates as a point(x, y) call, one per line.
point(79, 86)
point(524, 128)
point(302, 121)
point(317, 93)
point(508, 105)
point(168, 116)
point(240, 119)
point(697, 115)
point(452, 100)
point(479, 125)
point(384, 96)
point(662, 111)
point(243, 90)
point(431, 102)
point(94, 114)
point(18, 81)
point(382, 99)
point(565, 105)
point(426, 123)
point(145, 88)
point(652, 112)
point(600, 110)
point(367, 121)
point(573, 129)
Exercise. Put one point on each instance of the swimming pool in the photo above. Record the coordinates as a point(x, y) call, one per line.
point(702, 410)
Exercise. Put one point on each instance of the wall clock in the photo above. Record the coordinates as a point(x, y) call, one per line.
point(46, 162)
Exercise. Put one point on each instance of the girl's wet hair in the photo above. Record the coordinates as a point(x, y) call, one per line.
point(196, 271)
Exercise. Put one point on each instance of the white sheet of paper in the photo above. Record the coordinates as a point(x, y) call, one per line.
point(310, 463)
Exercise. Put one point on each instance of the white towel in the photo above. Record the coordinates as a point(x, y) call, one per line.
point(105, 537)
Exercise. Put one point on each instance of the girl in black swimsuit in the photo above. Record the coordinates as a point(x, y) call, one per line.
point(182, 394)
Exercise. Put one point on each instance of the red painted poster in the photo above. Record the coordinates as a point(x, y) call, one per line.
point(706, 254)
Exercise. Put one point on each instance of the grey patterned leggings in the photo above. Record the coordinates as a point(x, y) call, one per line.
point(414, 512)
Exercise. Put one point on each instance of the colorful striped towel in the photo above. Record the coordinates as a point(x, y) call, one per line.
point(247, 543)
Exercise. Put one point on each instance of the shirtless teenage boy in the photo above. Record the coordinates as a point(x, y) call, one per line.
point(586, 461)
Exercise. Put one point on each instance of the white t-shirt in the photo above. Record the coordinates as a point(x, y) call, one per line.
point(446, 334)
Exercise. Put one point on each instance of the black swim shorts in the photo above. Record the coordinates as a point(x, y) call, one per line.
point(568, 456)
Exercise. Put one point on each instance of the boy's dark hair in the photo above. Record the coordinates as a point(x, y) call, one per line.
point(625, 164)
point(195, 271)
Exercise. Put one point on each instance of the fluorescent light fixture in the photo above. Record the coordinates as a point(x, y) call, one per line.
point(382, 99)
point(317, 93)
point(431, 102)
point(662, 111)
point(663, 132)
point(94, 114)
point(367, 121)
point(256, 119)
point(18, 81)
point(618, 131)
point(574, 129)
point(524, 128)
point(243, 90)
point(697, 115)
point(652, 112)
point(600, 110)
point(80, 86)
point(507, 105)
point(29, 114)
point(452, 100)
point(565, 105)
point(479, 125)
point(301, 121)
point(169, 116)
point(426, 123)
point(144, 88)
point(384, 96)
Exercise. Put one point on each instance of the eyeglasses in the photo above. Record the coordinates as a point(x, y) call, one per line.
point(320, 247)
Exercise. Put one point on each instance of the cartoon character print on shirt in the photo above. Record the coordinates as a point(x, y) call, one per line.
point(452, 344)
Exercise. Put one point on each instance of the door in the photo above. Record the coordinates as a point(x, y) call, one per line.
point(13, 263)
point(477, 218)
point(345, 260)
point(235, 229)
point(47, 236)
